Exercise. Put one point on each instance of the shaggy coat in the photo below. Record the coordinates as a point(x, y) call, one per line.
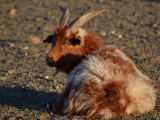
point(102, 81)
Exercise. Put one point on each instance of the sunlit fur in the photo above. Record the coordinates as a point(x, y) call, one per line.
point(102, 81)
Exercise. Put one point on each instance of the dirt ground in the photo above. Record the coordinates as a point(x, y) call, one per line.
point(27, 83)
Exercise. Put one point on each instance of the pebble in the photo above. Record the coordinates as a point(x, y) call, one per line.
point(46, 77)
point(57, 89)
point(26, 54)
point(112, 32)
point(38, 19)
point(144, 40)
point(155, 25)
point(11, 71)
point(34, 39)
point(154, 58)
point(120, 36)
point(25, 48)
point(6, 74)
point(3, 78)
point(12, 11)
point(11, 44)
point(102, 33)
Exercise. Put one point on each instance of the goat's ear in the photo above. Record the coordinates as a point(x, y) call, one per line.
point(48, 39)
point(76, 41)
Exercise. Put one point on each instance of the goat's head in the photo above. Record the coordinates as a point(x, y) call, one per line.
point(68, 43)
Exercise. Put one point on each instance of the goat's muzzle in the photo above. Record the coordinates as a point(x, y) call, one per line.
point(50, 61)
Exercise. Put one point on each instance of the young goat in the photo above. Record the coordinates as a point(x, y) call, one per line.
point(102, 81)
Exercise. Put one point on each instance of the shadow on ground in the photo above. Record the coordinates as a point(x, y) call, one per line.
point(23, 98)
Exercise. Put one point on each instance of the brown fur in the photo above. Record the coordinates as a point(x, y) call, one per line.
point(116, 59)
point(107, 97)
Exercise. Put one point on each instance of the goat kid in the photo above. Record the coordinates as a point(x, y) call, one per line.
point(102, 81)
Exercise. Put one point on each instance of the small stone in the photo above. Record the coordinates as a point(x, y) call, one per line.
point(155, 25)
point(46, 77)
point(102, 33)
point(6, 74)
point(112, 32)
point(12, 11)
point(51, 90)
point(38, 19)
point(57, 87)
point(154, 58)
point(11, 44)
point(26, 54)
point(11, 71)
point(12, 118)
point(143, 40)
point(34, 39)
point(3, 78)
point(120, 36)
point(25, 48)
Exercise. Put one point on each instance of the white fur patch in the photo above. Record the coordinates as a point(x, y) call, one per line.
point(82, 32)
point(124, 57)
point(106, 113)
point(142, 95)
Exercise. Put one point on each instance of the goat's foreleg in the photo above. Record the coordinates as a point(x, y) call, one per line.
point(59, 104)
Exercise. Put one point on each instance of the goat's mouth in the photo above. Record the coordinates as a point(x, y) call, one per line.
point(53, 64)
point(50, 62)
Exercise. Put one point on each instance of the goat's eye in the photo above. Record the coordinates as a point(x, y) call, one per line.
point(69, 44)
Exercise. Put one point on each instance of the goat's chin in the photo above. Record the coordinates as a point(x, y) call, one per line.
point(50, 64)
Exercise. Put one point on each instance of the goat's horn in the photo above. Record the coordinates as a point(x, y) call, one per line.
point(77, 23)
point(65, 16)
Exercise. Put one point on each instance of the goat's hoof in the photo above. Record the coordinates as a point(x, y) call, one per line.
point(50, 105)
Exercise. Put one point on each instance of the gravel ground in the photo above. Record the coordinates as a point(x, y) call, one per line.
point(26, 82)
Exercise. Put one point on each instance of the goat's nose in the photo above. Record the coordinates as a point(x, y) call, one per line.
point(49, 59)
